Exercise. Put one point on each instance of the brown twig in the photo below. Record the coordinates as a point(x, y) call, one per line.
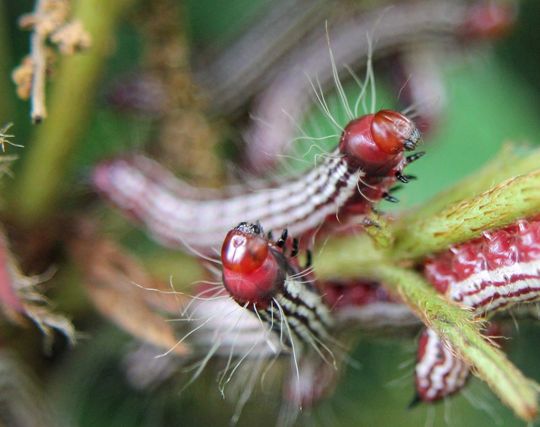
point(39, 63)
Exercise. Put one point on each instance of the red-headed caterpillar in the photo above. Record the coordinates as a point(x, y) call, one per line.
point(257, 273)
point(494, 272)
point(366, 163)
point(266, 306)
point(397, 29)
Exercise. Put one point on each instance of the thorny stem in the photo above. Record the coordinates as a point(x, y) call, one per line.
point(39, 64)
point(434, 229)
point(38, 183)
point(450, 321)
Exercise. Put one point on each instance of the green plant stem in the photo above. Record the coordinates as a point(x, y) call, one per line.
point(7, 89)
point(503, 204)
point(507, 164)
point(38, 183)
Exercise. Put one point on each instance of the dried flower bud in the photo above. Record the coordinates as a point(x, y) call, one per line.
point(22, 77)
point(71, 38)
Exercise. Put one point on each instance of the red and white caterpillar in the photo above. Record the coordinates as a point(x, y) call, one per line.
point(267, 306)
point(496, 271)
point(360, 171)
point(259, 275)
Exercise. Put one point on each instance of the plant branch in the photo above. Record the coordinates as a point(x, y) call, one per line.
point(501, 205)
point(39, 65)
point(508, 163)
point(39, 181)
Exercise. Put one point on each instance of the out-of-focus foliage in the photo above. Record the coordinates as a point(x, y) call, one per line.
point(493, 97)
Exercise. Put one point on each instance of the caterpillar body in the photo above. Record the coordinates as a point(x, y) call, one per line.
point(491, 273)
point(367, 162)
point(439, 372)
point(496, 271)
point(365, 305)
point(266, 306)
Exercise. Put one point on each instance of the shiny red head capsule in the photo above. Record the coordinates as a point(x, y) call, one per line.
point(374, 142)
point(251, 271)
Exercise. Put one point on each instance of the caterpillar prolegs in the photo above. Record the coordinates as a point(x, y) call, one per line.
point(496, 271)
point(357, 173)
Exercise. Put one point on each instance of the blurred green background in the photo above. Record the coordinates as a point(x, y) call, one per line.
point(493, 97)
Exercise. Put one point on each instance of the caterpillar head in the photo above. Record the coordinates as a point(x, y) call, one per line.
point(251, 271)
point(489, 20)
point(375, 142)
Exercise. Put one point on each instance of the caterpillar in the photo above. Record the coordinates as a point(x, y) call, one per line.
point(258, 274)
point(494, 272)
point(265, 306)
point(358, 172)
point(439, 372)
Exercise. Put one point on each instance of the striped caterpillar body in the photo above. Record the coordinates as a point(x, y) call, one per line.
point(494, 272)
point(232, 82)
point(439, 372)
point(368, 160)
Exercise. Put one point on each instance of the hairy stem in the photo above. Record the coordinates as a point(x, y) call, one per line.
point(449, 320)
point(507, 164)
point(39, 181)
point(503, 204)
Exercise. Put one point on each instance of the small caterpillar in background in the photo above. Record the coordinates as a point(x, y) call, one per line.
point(268, 45)
point(356, 174)
point(494, 272)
